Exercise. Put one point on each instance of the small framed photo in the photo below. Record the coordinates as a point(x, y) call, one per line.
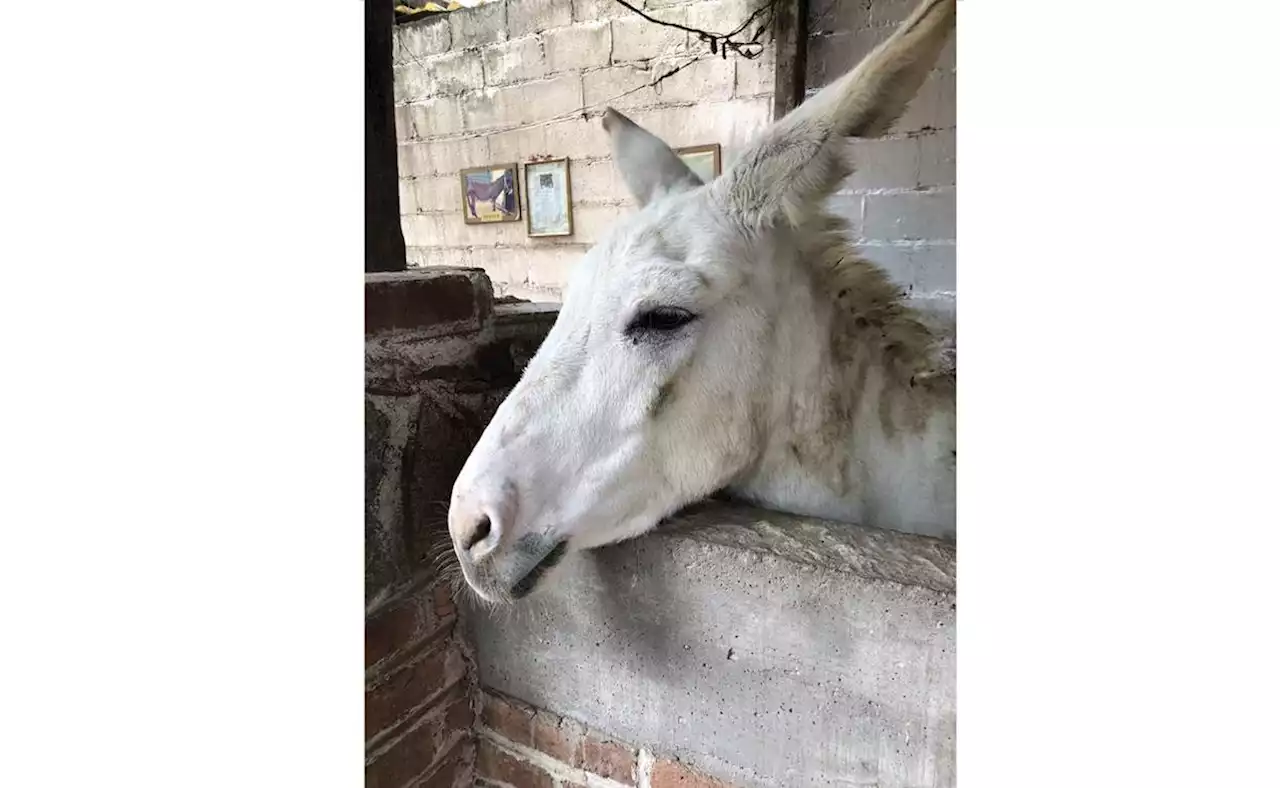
point(704, 160)
point(548, 198)
point(490, 194)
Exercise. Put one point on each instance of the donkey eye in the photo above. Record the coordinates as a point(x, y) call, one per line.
point(660, 320)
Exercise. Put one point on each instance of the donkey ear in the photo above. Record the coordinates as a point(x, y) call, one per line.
point(801, 159)
point(648, 165)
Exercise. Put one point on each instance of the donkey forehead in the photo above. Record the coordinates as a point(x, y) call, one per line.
point(677, 251)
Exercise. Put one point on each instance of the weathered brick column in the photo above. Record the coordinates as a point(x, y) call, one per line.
point(439, 358)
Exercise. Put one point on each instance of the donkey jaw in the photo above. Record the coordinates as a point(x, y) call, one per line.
point(525, 585)
point(515, 573)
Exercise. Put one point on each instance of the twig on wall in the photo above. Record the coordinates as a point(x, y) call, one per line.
point(722, 44)
point(582, 112)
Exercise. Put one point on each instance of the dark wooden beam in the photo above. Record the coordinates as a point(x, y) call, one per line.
point(790, 31)
point(383, 236)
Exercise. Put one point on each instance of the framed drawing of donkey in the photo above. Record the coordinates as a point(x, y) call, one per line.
point(490, 194)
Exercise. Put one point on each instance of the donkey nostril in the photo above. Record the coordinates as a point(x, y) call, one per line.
point(478, 533)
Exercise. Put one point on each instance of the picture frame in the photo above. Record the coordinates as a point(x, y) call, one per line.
point(491, 195)
point(704, 160)
point(548, 189)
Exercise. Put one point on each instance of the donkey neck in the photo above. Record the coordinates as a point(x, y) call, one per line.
point(858, 420)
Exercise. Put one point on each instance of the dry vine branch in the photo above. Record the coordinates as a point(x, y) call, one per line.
point(722, 44)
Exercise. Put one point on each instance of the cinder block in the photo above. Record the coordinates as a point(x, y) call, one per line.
point(408, 83)
point(592, 222)
point(435, 117)
point(514, 61)
point(891, 13)
point(849, 208)
point(933, 268)
point(831, 57)
point(473, 27)
point(526, 17)
point(577, 138)
point(416, 256)
point(838, 16)
point(404, 126)
point(755, 77)
point(442, 157)
point(518, 145)
point(736, 124)
point(408, 200)
point(581, 46)
point(421, 38)
point(530, 293)
point(921, 270)
point(593, 10)
point(934, 106)
point(910, 216)
point(680, 126)
point(937, 158)
point(703, 81)
point(895, 261)
point(411, 159)
point(887, 162)
point(597, 182)
point(421, 229)
point(438, 256)
point(529, 102)
point(509, 266)
point(454, 231)
point(438, 193)
point(719, 16)
point(454, 73)
point(551, 266)
point(621, 87)
point(636, 38)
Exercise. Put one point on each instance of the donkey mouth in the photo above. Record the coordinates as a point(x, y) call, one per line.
point(526, 584)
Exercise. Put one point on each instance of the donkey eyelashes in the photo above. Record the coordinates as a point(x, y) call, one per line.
point(657, 321)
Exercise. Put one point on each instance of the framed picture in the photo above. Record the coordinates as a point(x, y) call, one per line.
point(490, 194)
point(704, 160)
point(548, 198)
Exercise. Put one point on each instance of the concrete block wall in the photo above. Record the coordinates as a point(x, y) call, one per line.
point(515, 79)
point(901, 201)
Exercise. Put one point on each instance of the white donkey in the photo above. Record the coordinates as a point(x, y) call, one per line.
point(724, 337)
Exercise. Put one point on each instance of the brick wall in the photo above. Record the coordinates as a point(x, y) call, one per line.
point(478, 86)
point(520, 746)
point(439, 357)
point(901, 201)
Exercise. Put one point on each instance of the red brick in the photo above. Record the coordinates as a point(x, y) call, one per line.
point(672, 774)
point(409, 757)
point(560, 738)
point(513, 720)
point(608, 759)
point(460, 716)
point(443, 596)
point(452, 772)
point(409, 686)
point(493, 763)
point(394, 627)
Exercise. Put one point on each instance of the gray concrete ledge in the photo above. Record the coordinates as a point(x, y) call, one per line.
point(869, 552)
point(764, 649)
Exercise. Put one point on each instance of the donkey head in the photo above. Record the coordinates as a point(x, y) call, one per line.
point(653, 387)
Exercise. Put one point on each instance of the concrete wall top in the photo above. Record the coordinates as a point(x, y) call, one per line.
point(759, 648)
